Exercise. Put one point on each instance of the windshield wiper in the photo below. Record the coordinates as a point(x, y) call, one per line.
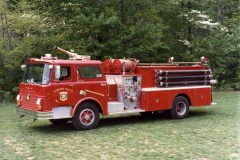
point(34, 82)
point(28, 81)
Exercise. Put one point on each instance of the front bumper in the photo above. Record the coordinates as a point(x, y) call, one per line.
point(34, 114)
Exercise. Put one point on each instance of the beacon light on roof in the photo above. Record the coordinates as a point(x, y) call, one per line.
point(203, 59)
point(171, 59)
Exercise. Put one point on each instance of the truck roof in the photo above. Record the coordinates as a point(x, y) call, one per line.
point(62, 61)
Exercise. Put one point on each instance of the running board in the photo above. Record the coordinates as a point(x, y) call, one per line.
point(127, 111)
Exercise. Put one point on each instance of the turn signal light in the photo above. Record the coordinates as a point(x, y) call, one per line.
point(39, 107)
point(18, 100)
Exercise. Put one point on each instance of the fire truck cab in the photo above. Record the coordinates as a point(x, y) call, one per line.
point(80, 89)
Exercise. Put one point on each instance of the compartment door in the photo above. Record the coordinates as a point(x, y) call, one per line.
point(155, 100)
point(203, 96)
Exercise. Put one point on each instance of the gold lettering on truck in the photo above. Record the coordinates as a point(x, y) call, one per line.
point(62, 89)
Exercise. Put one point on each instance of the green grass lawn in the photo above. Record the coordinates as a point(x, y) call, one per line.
point(208, 133)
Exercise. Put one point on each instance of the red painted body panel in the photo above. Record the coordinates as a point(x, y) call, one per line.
point(73, 111)
point(34, 92)
point(203, 97)
point(97, 87)
point(139, 88)
point(112, 95)
point(153, 99)
point(50, 93)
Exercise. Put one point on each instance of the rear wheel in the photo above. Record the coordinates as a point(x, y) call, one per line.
point(86, 116)
point(180, 108)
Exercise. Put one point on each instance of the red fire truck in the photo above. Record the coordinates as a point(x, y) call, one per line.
point(80, 89)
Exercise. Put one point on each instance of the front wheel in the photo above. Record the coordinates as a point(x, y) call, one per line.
point(86, 116)
point(180, 108)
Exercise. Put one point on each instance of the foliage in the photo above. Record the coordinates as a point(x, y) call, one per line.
point(151, 31)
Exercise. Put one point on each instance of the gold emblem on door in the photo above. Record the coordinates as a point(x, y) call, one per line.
point(63, 96)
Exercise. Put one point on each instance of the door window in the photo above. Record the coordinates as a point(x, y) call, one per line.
point(65, 73)
point(90, 72)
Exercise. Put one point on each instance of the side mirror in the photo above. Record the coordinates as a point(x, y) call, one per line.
point(57, 73)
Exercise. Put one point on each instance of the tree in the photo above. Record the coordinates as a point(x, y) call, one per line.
point(107, 30)
point(151, 31)
point(21, 32)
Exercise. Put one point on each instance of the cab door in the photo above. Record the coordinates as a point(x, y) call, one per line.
point(91, 85)
point(63, 88)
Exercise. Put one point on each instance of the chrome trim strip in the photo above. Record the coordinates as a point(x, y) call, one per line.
point(172, 88)
point(213, 103)
point(127, 111)
point(34, 114)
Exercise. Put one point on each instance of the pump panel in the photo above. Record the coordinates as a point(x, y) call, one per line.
point(131, 86)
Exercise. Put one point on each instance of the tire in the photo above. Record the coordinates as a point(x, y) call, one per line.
point(59, 121)
point(180, 108)
point(86, 116)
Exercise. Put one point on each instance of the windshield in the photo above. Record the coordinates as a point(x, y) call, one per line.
point(37, 74)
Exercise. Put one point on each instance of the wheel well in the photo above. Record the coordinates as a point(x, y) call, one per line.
point(186, 96)
point(95, 103)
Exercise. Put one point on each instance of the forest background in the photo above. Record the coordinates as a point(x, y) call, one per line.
point(148, 30)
